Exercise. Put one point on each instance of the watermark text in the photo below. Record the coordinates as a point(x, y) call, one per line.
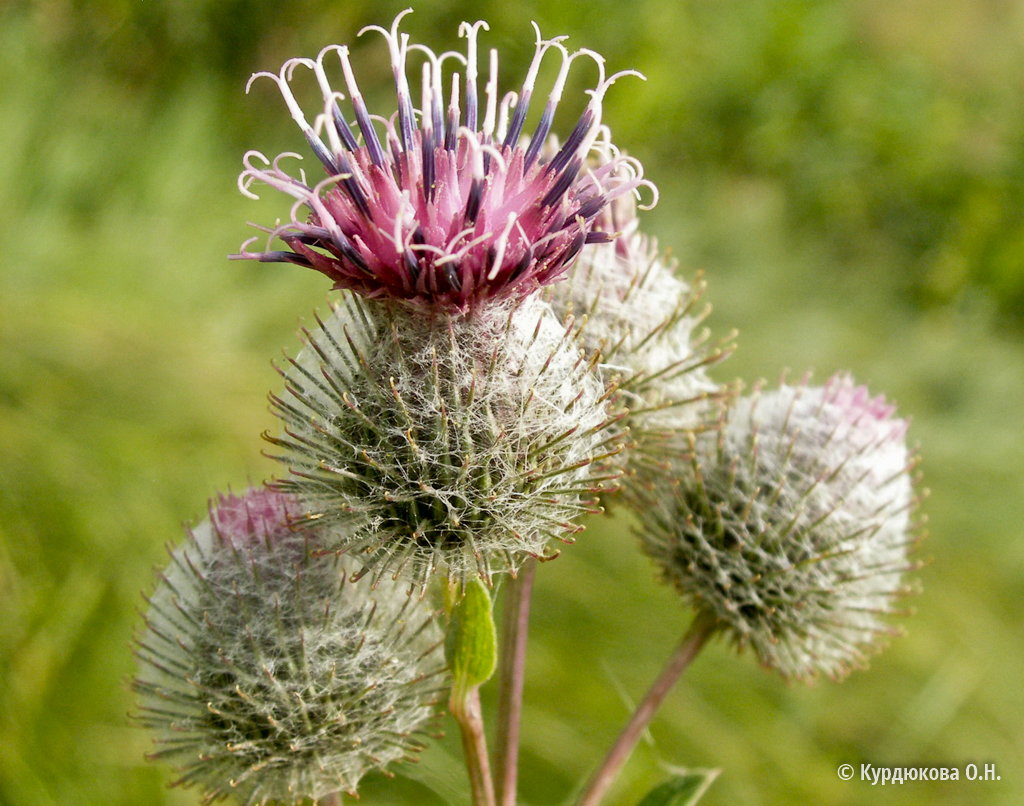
point(902, 775)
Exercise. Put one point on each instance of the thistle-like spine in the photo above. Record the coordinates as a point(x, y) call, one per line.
point(645, 323)
point(424, 441)
point(791, 525)
point(267, 673)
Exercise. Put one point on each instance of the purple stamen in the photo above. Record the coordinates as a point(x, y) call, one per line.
point(351, 187)
point(575, 247)
point(591, 207)
point(341, 127)
point(344, 130)
point(362, 114)
point(283, 257)
point(476, 194)
point(543, 128)
point(548, 116)
point(452, 276)
point(321, 152)
point(562, 184)
point(412, 265)
point(398, 46)
point(573, 142)
point(522, 265)
point(450, 134)
point(406, 116)
point(470, 31)
point(429, 180)
point(519, 118)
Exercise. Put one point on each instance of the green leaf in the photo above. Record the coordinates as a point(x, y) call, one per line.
point(470, 646)
point(681, 790)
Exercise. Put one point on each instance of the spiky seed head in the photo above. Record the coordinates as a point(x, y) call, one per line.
point(449, 211)
point(644, 322)
point(792, 525)
point(423, 441)
point(268, 674)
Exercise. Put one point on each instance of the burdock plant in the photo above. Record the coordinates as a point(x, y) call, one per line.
point(506, 351)
point(268, 673)
point(424, 442)
point(791, 525)
point(644, 325)
point(449, 211)
point(444, 419)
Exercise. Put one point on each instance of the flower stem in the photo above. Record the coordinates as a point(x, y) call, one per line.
point(511, 675)
point(700, 630)
point(466, 710)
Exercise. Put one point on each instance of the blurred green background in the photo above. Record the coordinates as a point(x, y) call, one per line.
point(849, 174)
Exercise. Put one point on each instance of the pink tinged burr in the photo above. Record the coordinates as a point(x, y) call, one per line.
point(443, 211)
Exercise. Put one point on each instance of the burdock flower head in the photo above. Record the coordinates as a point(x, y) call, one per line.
point(420, 442)
point(267, 673)
point(791, 525)
point(447, 210)
point(644, 322)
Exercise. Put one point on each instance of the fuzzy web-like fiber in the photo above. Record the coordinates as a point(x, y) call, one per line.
point(268, 674)
point(645, 323)
point(424, 441)
point(792, 525)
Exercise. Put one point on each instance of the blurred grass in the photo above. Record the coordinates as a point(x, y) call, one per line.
point(850, 175)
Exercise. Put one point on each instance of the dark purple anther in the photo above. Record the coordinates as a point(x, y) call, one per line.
point(476, 189)
point(429, 178)
point(515, 128)
point(452, 275)
point(344, 131)
point(573, 142)
point(369, 133)
point(413, 267)
point(322, 153)
point(540, 134)
point(591, 207)
point(563, 183)
point(284, 257)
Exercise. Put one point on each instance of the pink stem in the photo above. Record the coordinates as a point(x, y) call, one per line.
point(700, 630)
point(512, 673)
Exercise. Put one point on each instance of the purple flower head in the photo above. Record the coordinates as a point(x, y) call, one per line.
point(446, 211)
point(260, 516)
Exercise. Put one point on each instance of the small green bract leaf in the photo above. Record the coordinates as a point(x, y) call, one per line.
point(470, 647)
point(680, 790)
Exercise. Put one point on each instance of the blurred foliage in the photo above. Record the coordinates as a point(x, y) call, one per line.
point(877, 131)
point(851, 175)
point(892, 128)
